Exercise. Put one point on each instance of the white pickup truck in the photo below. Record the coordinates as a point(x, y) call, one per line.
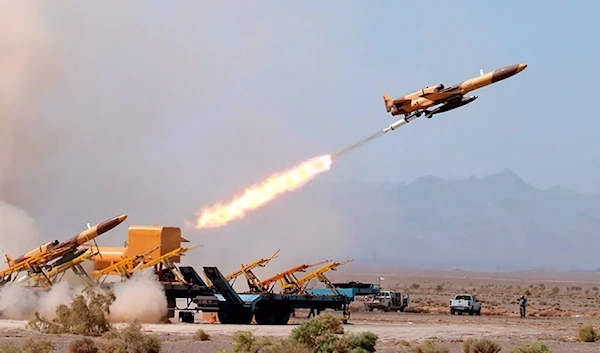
point(388, 301)
point(465, 303)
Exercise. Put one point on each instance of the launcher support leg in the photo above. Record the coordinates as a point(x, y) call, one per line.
point(85, 277)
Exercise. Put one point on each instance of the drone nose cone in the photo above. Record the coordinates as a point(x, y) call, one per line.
point(506, 72)
point(521, 67)
point(110, 224)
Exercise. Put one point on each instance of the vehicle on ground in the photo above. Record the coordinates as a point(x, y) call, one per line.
point(388, 301)
point(465, 303)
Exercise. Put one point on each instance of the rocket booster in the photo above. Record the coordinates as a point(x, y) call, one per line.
point(400, 122)
point(444, 108)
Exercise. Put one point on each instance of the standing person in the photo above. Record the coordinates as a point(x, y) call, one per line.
point(312, 312)
point(522, 305)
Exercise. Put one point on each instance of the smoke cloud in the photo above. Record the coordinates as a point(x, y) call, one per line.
point(127, 110)
point(60, 294)
point(25, 68)
point(141, 297)
point(20, 303)
point(24, 58)
point(15, 222)
point(17, 302)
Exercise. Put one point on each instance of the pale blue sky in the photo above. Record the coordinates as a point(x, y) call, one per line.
point(228, 93)
point(320, 72)
point(158, 108)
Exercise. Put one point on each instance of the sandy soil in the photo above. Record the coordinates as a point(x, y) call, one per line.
point(561, 304)
point(393, 330)
point(550, 293)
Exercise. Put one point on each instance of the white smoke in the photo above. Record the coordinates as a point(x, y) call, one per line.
point(22, 42)
point(25, 62)
point(15, 223)
point(20, 303)
point(141, 297)
point(17, 302)
point(60, 294)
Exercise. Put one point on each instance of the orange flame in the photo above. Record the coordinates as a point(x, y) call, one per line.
point(259, 194)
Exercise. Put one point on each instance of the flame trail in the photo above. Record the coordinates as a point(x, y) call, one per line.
point(259, 194)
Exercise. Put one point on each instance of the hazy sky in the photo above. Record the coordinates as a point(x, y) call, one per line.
point(158, 108)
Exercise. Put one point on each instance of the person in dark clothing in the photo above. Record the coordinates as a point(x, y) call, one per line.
point(523, 305)
point(312, 312)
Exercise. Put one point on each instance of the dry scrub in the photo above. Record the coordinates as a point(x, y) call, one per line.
point(131, 339)
point(471, 345)
point(587, 334)
point(30, 346)
point(323, 334)
point(83, 345)
point(91, 311)
point(481, 346)
point(87, 315)
point(201, 336)
point(545, 300)
point(535, 347)
point(430, 347)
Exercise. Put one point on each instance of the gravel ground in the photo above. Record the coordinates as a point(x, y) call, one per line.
point(392, 329)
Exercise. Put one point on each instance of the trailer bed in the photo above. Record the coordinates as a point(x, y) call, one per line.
point(267, 308)
point(349, 289)
point(297, 301)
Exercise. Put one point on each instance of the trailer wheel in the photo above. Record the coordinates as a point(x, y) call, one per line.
point(265, 316)
point(271, 313)
point(242, 316)
point(283, 318)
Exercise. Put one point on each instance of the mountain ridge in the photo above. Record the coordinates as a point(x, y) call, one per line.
point(498, 221)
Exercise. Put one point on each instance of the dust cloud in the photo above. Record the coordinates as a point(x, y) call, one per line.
point(140, 298)
point(20, 303)
point(60, 294)
point(17, 302)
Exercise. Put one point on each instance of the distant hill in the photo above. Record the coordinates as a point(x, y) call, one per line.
point(496, 222)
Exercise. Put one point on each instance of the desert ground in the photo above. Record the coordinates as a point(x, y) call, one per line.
point(560, 304)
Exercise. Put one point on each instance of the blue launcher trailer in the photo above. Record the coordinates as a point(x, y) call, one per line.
point(269, 308)
point(349, 289)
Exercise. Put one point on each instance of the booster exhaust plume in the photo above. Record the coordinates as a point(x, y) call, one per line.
point(261, 193)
